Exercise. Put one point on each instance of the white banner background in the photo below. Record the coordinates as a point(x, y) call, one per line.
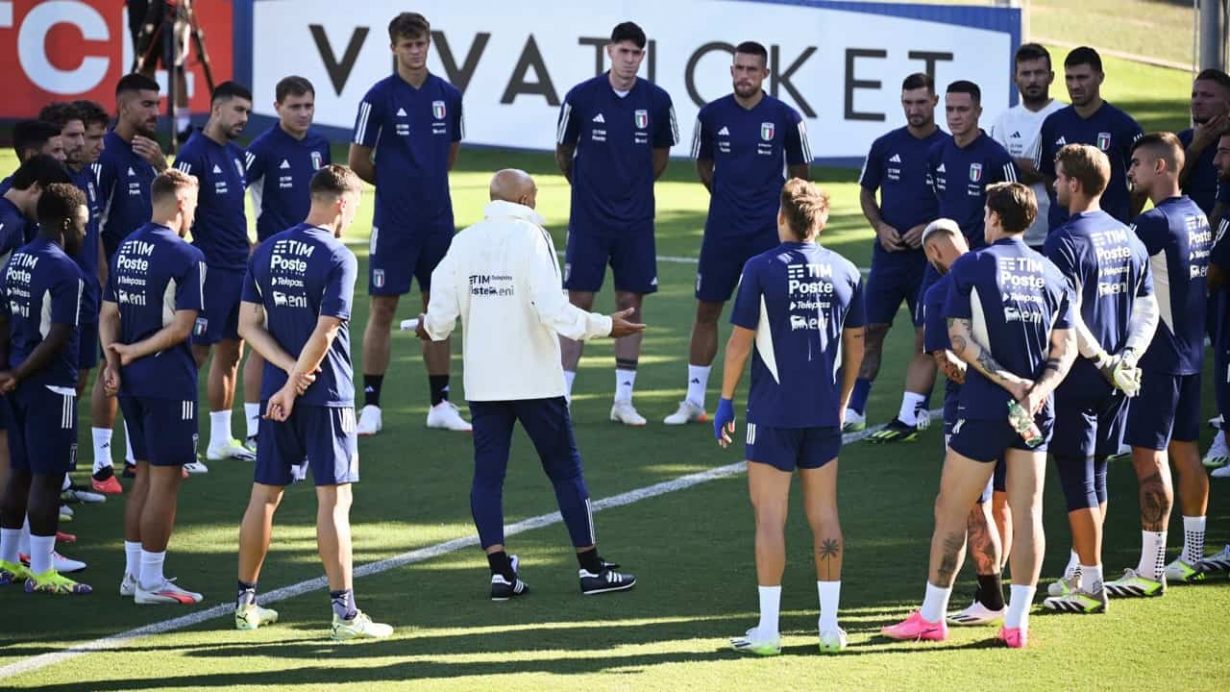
point(833, 86)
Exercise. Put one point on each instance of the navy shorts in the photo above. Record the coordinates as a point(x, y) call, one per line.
point(162, 431)
point(398, 257)
point(998, 482)
point(721, 264)
point(87, 346)
point(42, 427)
point(1168, 408)
point(988, 440)
point(632, 256)
point(219, 321)
point(324, 435)
point(887, 287)
point(1088, 426)
point(787, 449)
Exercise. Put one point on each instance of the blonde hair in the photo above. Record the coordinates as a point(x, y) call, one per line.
point(805, 206)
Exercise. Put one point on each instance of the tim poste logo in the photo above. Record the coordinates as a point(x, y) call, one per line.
point(288, 264)
point(486, 285)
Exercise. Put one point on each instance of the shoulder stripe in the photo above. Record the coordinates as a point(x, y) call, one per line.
point(674, 127)
point(696, 139)
point(360, 130)
point(804, 142)
point(564, 114)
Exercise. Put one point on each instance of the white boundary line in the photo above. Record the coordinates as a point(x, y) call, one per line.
point(115, 641)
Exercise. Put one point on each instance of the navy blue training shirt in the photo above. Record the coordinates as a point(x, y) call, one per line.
point(1108, 129)
point(124, 180)
point(279, 170)
point(42, 286)
point(220, 229)
point(898, 165)
point(960, 176)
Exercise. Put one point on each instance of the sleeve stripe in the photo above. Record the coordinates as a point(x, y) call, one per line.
point(804, 143)
point(696, 139)
point(564, 115)
point(360, 130)
point(1009, 172)
point(249, 159)
point(674, 127)
point(184, 167)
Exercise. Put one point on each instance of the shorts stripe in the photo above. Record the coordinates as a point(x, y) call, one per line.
point(66, 412)
point(751, 433)
point(348, 420)
point(589, 514)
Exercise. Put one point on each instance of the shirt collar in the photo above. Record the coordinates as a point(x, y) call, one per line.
point(499, 209)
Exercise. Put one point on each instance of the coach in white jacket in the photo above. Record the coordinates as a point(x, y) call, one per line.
point(502, 278)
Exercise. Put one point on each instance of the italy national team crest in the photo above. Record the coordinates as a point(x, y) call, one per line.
point(642, 119)
point(317, 160)
point(767, 130)
point(1104, 141)
point(438, 111)
point(378, 278)
point(975, 172)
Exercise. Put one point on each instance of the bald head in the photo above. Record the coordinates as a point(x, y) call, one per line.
point(513, 185)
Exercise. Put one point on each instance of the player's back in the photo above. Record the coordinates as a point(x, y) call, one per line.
point(124, 180)
point(1109, 268)
point(1013, 298)
point(797, 297)
point(42, 286)
point(12, 227)
point(298, 276)
point(220, 229)
point(1177, 237)
point(153, 272)
point(612, 173)
point(279, 169)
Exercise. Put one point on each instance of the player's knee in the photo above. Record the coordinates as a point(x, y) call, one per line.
point(383, 309)
point(873, 337)
point(708, 313)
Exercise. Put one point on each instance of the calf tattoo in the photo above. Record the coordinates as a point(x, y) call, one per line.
point(1155, 502)
point(950, 561)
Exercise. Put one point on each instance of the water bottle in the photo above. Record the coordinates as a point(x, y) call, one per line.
point(1023, 423)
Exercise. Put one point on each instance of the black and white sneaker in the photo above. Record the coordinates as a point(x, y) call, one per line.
point(502, 589)
point(606, 580)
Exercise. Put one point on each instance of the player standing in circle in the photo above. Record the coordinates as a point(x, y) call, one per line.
point(414, 119)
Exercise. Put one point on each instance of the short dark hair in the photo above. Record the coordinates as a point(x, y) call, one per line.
point(805, 206)
point(334, 181)
point(58, 202)
point(135, 81)
point(1215, 75)
point(628, 31)
point(1163, 145)
point(293, 85)
point(92, 113)
point(1032, 51)
point(1087, 164)
point(1014, 203)
point(41, 169)
point(230, 90)
point(753, 48)
point(60, 113)
point(964, 86)
point(918, 80)
point(33, 134)
point(1084, 55)
point(408, 25)
point(168, 182)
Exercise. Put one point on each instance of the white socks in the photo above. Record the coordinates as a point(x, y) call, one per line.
point(830, 594)
point(220, 428)
point(1019, 601)
point(935, 603)
point(698, 381)
point(1152, 554)
point(10, 542)
point(770, 605)
point(102, 448)
point(252, 413)
point(151, 569)
point(910, 402)
point(1091, 578)
point(569, 377)
point(40, 553)
point(625, 382)
point(132, 558)
point(1193, 539)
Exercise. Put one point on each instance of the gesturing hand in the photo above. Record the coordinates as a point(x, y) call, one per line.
point(724, 422)
point(620, 326)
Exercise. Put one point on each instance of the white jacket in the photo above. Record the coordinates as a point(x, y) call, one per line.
point(501, 276)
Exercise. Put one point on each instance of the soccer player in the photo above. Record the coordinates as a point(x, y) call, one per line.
point(41, 289)
point(1009, 305)
point(151, 303)
point(1219, 280)
point(799, 314)
point(1210, 107)
point(31, 138)
point(413, 119)
point(1090, 120)
point(502, 278)
point(897, 167)
point(1114, 321)
point(94, 121)
point(297, 299)
point(280, 165)
point(742, 145)
point(1166, 415)
point(220, 230)
point(944, 243)
point(19, 204)
point(1018, 128)
point(131, 158)
point(613, 141)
